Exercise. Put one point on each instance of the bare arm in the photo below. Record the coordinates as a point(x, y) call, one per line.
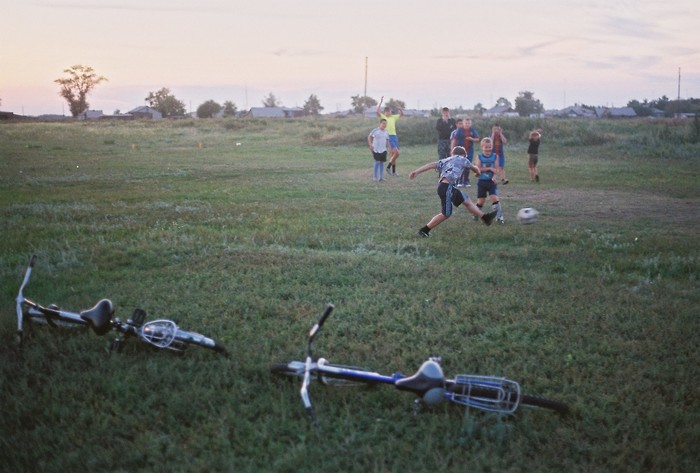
point(422, 169)
point(379, 106)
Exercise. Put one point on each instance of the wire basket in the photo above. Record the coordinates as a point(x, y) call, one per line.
point(488, 393)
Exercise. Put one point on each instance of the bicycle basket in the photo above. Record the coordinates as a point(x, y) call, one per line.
point(488, 393)
point(159, 333)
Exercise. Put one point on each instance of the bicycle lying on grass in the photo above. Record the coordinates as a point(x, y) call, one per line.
point(488, 393)
point(100, 318)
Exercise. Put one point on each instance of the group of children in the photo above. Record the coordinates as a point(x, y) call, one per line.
point(454, 169)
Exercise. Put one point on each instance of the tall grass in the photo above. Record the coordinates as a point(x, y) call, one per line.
point(595, 305)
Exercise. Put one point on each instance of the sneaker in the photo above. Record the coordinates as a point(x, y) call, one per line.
point(537, 179)
point(423, 233)
point(488, 218)
point(501, 221)
point(467, 184)
point(504, 181)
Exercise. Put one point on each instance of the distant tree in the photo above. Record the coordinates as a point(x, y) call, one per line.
point(208, 109)
point(641, 109)
point(395, 104)
point(362, 103)
point(76, 87)
point(526, 104)
point(229, 109)
point(272, 101)
point(479, 109)
point(503, 102)
point(312, 106)
point(166, 103)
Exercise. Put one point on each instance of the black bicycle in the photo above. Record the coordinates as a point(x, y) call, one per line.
point(488, 393)
point(161, 333)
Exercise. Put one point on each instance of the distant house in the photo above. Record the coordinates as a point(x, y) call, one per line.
point(147, 112)
point(416, 113)
point(619, 112)
point(91, 115)
point(576, 111)
point(500, 111)
point(275, 112)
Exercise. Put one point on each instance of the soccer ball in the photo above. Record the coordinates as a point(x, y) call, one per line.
point(528, 215)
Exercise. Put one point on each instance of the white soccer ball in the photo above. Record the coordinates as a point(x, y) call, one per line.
point(528, 215)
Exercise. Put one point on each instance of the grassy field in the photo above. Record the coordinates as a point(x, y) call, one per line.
point(596, 304)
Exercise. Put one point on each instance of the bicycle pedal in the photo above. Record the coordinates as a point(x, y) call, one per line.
point(137, 318)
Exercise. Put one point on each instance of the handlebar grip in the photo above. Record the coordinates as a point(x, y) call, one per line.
point(32, 261)
point(326, 313)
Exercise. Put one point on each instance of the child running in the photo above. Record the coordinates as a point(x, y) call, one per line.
point(450, 170)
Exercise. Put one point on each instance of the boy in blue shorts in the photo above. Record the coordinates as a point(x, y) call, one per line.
point(450, 170)
point(487, 163)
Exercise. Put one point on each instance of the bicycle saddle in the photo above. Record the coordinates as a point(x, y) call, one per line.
point(428, 382)
point(100, 316)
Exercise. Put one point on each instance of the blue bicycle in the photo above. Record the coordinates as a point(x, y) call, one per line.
point(101, 319)
point(488, 393)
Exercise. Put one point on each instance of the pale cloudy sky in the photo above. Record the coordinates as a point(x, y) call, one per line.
point(427, 53)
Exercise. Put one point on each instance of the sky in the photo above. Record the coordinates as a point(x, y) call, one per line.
point(426, 53)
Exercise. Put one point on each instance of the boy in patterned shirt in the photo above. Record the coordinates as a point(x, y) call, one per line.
point(450, 170)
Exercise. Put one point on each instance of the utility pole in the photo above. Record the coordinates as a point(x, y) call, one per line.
point(678, 103)
point(365, 76)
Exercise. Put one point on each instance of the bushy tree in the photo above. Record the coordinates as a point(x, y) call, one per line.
point(395, 104)
point(526, 104)
point(312, 106)
point(230, 109)
point(272, 101)
point(479, 109)
point(208, 109)
point(76, 87)
point(504, 102)
point(166, 103)
point(362, 103)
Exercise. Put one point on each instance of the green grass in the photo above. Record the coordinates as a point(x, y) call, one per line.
point(596, 304)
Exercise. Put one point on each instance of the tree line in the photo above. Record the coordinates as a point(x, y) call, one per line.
point(80, 80)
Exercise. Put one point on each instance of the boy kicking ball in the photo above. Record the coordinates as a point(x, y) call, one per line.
point(450, 170)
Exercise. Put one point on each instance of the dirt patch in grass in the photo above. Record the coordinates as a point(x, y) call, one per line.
point(604, 205)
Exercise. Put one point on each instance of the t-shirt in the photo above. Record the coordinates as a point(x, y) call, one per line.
point(487, 162)
point(379, 138)
point(390, 122)
point(534, 146)
point(451, 168)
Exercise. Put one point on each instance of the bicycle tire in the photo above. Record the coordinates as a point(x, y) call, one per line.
point(529, 400)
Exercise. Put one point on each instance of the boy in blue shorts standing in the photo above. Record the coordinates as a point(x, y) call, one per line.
point(450, 170)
